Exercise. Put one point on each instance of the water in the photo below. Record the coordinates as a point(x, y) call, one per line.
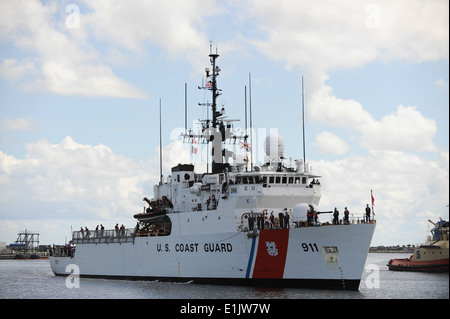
point(25, 279)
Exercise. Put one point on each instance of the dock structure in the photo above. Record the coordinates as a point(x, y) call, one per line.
point(25, 246)
point(27, 241)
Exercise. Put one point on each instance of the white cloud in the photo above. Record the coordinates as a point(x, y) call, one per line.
point(69, 183)
point(442, 84)
point(72, 61)
point(18, 124)
point(329, 35)
point(316, 37)
point(324, 107)
point(173, 25)
point(330, 144)
point(61, 61)
point(72, 180)
point(82, 79)
point(406, 129)
point(321, 37)
point(14, 70)
point(179, 28)
point(408, 190)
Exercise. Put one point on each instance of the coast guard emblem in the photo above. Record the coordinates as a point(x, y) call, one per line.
point(271, 248)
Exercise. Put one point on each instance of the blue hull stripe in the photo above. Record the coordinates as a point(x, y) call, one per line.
point(250, 259)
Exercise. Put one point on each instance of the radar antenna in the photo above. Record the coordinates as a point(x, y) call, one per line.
point(218, 130)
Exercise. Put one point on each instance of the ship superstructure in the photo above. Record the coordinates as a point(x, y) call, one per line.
point(238, 224)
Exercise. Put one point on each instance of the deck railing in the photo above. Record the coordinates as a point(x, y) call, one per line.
point(103, 236)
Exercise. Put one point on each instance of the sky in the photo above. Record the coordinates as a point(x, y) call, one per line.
point(81, 83)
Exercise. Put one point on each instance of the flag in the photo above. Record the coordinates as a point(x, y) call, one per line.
point(373, 202)
point(245, 145)
point(193, 148)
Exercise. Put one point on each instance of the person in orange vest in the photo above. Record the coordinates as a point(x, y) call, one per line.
point(335, 216)
point(309, 217)
point(346, 213)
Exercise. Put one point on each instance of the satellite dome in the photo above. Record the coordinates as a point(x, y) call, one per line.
point(301, 211)
point(274, 146)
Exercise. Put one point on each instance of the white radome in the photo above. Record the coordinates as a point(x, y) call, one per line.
point(301, 210)
point(274, 146)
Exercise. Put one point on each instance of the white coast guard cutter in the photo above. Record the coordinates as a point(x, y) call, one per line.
point(218, 227)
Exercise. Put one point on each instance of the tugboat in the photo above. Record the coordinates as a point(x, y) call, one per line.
point(236, 223)
point(429, 257)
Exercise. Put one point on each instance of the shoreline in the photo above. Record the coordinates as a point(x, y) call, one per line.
point(392, 249)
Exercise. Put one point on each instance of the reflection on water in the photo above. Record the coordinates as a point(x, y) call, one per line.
point(34, 279)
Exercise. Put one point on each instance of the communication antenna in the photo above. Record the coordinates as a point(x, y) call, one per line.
point(303, 120)
point(245, 125)
point(160, 146)
point(245, 106)
point(185, 107)
point(251, 123)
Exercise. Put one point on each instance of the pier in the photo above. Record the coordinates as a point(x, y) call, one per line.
point(26, 246)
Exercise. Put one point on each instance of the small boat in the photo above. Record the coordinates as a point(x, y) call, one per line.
point(429, 257)
point(155, 210)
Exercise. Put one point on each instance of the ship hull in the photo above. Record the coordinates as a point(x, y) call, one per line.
point(407, 264)
point(330, 257)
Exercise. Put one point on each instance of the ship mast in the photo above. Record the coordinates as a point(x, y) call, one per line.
point(216, 151)
point(218, 130)
point(215, 90)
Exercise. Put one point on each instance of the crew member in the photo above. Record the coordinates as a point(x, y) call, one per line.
point(280, 216)
point(367, 213)
point(346, 213)
point(286, 219)
point(335, 216)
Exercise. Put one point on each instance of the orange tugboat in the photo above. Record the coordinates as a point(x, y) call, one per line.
point(429, 257)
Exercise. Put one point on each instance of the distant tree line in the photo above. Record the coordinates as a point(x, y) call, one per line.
point(393, 249)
